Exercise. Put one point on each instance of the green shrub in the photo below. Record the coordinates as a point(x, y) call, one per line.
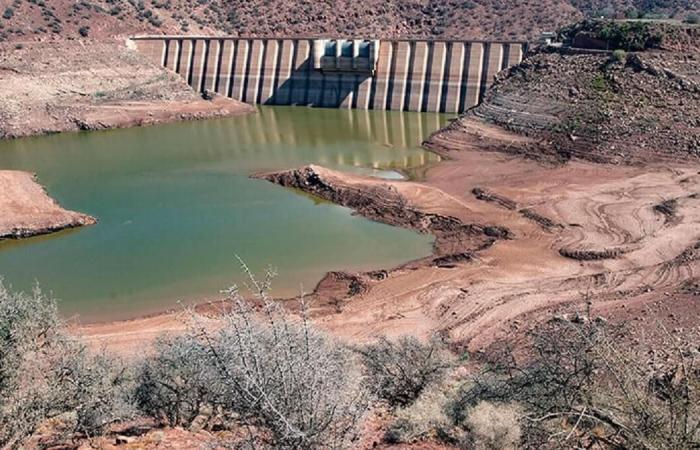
point(629, 36)
point(692, 18)
point(619, 56)
point(632, 14)
point(600, 83)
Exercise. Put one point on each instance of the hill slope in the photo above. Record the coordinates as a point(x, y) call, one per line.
point(626, 108)
point(493, 19)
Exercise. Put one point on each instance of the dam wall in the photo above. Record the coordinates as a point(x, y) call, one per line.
point(405, 75)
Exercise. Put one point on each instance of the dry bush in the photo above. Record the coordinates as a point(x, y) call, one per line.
point(400, 370)
point(578, 387)
point(274, 376)
point(45, 374)
point(494, 426)
point(426, 418)
point(178, 382)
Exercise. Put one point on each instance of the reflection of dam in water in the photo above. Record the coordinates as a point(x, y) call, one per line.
point(402, 75)
point(392, 130)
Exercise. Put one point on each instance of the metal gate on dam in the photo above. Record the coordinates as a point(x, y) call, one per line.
point(409, 75)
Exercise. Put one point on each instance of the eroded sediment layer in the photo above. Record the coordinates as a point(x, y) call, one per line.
point(640, 109)
point(395, 203)
point(26, 210)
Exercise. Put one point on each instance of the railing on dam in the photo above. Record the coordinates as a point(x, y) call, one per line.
point(410, 75)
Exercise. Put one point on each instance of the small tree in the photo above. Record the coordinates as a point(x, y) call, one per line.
point(400, 370)
point(692, 18)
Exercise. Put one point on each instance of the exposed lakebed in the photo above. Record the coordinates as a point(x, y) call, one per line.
point(175, 206)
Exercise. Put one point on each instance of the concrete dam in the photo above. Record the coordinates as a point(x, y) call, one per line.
point(402, 74)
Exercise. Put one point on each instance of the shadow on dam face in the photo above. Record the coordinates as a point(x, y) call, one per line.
point(402, 75)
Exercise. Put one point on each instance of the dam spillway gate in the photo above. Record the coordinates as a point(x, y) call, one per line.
point(403, 75)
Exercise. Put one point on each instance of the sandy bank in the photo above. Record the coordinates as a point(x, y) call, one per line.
point(26, 210)
point(52, 87)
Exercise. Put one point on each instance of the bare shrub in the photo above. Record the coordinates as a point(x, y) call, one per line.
point(275, 375)
point(578, 387)
point(426, 418)
point(400, 370)
point(178, 382)
point(494, 426)
point(46, 374)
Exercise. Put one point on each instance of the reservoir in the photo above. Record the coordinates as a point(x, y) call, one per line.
point(175, 206)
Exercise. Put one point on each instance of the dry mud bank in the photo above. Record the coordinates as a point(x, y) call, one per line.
point(26, 210)
point(625, 238)
point(50, 87)
point(575, 230)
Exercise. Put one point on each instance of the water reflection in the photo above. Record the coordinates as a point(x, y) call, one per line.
point(306, 129)
point(378, 139)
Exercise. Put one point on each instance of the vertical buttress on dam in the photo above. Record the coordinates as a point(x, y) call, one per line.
point(403, 75)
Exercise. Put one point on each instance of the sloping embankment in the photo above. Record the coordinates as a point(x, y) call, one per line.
point(631, 108)
point(50, 87)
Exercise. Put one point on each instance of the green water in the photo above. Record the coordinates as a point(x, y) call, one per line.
point(175, 205)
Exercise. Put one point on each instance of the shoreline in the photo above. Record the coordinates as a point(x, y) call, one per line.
point(134, 114)
point(499, 289)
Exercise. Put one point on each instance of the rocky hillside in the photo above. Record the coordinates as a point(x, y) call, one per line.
point(51, 19)
point(623, 107)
